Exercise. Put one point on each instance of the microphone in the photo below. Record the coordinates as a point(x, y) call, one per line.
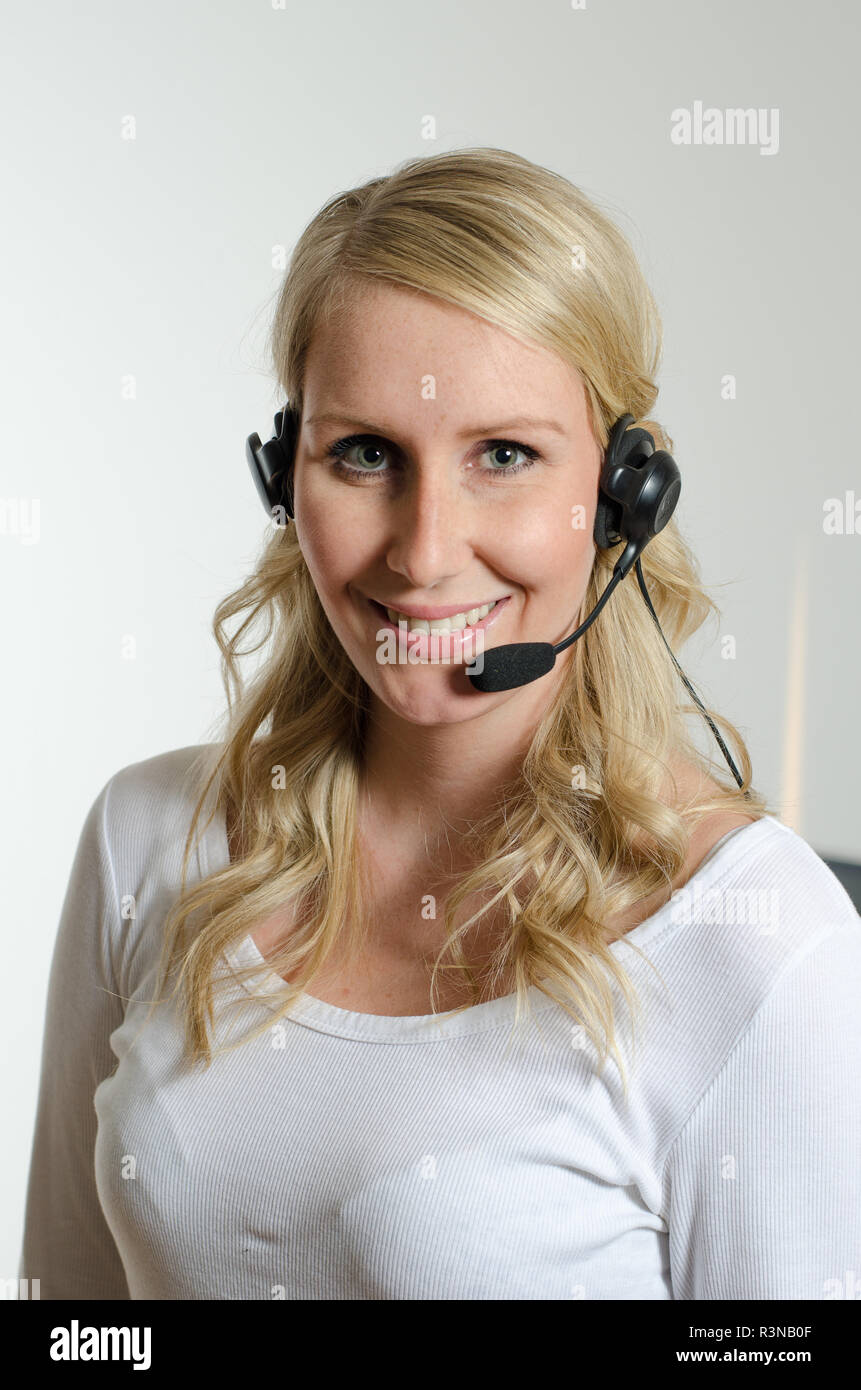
point(518, 663)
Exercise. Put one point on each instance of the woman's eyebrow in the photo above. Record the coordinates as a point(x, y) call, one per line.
point(518, 422)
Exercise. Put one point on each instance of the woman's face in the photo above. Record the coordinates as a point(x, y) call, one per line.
point(441, 506)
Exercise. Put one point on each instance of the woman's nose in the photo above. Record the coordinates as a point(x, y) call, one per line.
point(431, 525)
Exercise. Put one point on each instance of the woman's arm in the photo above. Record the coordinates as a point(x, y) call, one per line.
point(67, 1245)
point(764, 1179)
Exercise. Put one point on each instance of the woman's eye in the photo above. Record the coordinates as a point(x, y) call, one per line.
point(367, 447)
point(370, 452)
point(511, 447)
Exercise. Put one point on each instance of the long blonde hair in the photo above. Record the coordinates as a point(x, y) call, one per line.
point(583, 832)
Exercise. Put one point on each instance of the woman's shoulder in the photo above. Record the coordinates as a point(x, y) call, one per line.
point(757, 901)
point(752, 934)
point(151, 802)
point(164, 773)
point(129, 860)
point(762, 864)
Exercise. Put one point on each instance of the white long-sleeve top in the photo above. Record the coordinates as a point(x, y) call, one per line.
point(344, 1155)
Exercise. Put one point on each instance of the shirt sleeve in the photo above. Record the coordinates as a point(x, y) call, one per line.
point(67, 1244)
point(764, 1179)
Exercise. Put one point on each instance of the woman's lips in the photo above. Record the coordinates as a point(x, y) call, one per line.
point(448, 610)
point(443, 640)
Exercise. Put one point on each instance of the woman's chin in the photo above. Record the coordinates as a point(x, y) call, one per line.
point(430, 695)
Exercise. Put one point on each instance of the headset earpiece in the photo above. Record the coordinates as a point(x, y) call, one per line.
point(638, 491)
point(271, 464)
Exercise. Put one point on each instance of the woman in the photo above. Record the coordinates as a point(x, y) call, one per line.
point(409, 923)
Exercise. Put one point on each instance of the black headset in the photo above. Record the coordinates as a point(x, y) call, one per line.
point(637, 494)
point(271, 464)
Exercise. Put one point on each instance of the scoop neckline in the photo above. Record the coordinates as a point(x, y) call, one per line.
point(213, 854)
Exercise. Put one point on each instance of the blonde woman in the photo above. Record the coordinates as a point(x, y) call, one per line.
point(475, 995)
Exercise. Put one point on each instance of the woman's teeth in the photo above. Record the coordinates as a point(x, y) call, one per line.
point(456, 623)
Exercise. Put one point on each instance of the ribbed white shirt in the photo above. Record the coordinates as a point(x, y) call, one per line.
point(344, 1155)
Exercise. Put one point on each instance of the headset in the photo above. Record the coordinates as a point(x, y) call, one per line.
point(638, 491)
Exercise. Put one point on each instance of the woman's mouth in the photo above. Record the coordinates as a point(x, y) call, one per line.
point(453, 632)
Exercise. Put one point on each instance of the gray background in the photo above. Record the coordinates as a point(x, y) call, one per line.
point(156, 259)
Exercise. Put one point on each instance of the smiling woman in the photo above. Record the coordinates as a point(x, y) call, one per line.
point(382, 877)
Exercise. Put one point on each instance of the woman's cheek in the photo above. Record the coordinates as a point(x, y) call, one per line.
point(330, 540)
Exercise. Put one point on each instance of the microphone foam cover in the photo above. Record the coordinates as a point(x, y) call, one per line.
point(517, 663)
